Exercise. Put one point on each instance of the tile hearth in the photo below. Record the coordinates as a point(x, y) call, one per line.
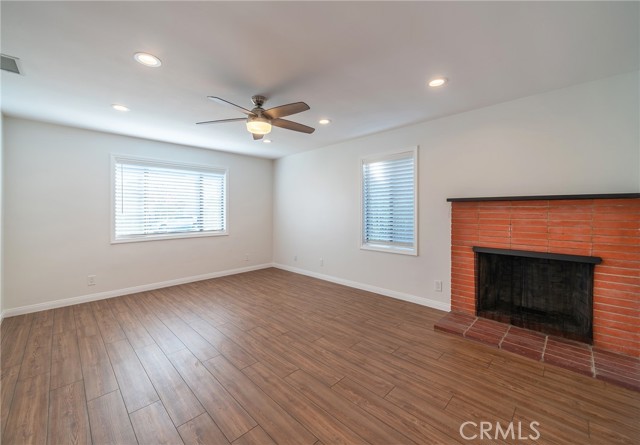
point(617, 369)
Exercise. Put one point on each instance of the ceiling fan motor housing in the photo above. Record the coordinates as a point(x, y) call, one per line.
point(258, 100)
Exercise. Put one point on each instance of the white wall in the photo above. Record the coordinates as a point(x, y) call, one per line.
point(57, 216)
point(582, 139)
point(1, 217)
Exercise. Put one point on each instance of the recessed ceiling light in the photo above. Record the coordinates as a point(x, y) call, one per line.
point(119, 107)
point(147, 59)
point(324, 121)
point(266, 141)
point(437, 82)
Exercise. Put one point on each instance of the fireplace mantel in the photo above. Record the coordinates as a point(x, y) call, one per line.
point(548, 197)
point(541, 255)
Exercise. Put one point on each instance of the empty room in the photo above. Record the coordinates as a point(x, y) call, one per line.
point(316, 223)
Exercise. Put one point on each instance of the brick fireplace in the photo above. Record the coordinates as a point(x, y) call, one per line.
point(604, 226)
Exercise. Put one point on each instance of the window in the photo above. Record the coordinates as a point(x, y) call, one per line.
point(155, 200)
point(389, 200)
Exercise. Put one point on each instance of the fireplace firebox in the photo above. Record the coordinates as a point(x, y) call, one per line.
point(546, 292)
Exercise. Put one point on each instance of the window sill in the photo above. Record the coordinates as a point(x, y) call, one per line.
point(412, 251)
point(136, 239)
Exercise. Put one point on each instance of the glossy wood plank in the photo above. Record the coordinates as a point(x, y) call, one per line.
point(99, 378)
point(331, 358)
point(86, 324)
point(202, 431)
point(253, 347)
point(8, 380)
point(256, 436)
point(396, 417)
point(64, 319)
point(15, 333)
point(37, 354)
point(135, 387)
point(136, 334)
point(228, 414)
point(318, 421)
point(153, 426)
point(364, 424)
point(66, 367)
point(276, 421)
point(42, 320)
point(108, 325)
point(232, 351)
point(28, 416)
point(179, 401)
point(161, 334)
point(68, 419)
point(191, 339)
point(109, 420)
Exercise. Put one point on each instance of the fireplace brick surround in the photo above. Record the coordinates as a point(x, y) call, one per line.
point(606, 226)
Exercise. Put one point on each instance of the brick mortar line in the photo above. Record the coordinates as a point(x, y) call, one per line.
point(544, 347)
point(464, 334)
point(504, 336)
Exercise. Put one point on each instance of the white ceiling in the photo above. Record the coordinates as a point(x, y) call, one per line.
point(363, 65)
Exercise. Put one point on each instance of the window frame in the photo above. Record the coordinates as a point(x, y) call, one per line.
point(384, 247)
point(177, 165)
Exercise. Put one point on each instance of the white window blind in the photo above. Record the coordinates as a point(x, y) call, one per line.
point(156, 200)
point(389, 203)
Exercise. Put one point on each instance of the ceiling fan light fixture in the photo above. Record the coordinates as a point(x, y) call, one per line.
point(324, 121)
point(258, 125)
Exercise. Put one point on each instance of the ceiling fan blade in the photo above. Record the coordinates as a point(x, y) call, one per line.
point(237, 119)
point(226, 102)
point(286, 110)
point(289, 125)
point(257, 137)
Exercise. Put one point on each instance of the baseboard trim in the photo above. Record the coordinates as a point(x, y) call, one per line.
point(126, 291)
point(367, 287)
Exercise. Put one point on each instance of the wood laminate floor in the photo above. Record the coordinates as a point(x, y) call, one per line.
point(273, 357)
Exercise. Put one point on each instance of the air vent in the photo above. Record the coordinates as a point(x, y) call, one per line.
point(9, 64)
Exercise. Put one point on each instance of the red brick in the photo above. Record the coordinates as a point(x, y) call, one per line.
point(612, 333)
point(569, 216)
point(529, 240)
point(628, 256)
point(530, 247)
point(631, 320)
point(617, 286)
point(619, 271)
point(573, 237)
point(607, 224)
point(626, 303)
point(615, 293)
point(570, 230)
point(633, 280)
point(616, 232)
point(619, 216)
point(622, 346)
point(630, 202)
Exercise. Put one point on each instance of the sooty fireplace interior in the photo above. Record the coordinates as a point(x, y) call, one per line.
point(550, 293)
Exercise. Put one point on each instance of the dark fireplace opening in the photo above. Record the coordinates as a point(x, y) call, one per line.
point(549, 293)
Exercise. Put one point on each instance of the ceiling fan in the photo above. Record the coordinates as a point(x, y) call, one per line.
point(259, 120)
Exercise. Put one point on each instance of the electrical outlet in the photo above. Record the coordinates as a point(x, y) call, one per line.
point(321, 262)
point(437, 285)
point(295, 258)
point(91, 280)
point(246, 257)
